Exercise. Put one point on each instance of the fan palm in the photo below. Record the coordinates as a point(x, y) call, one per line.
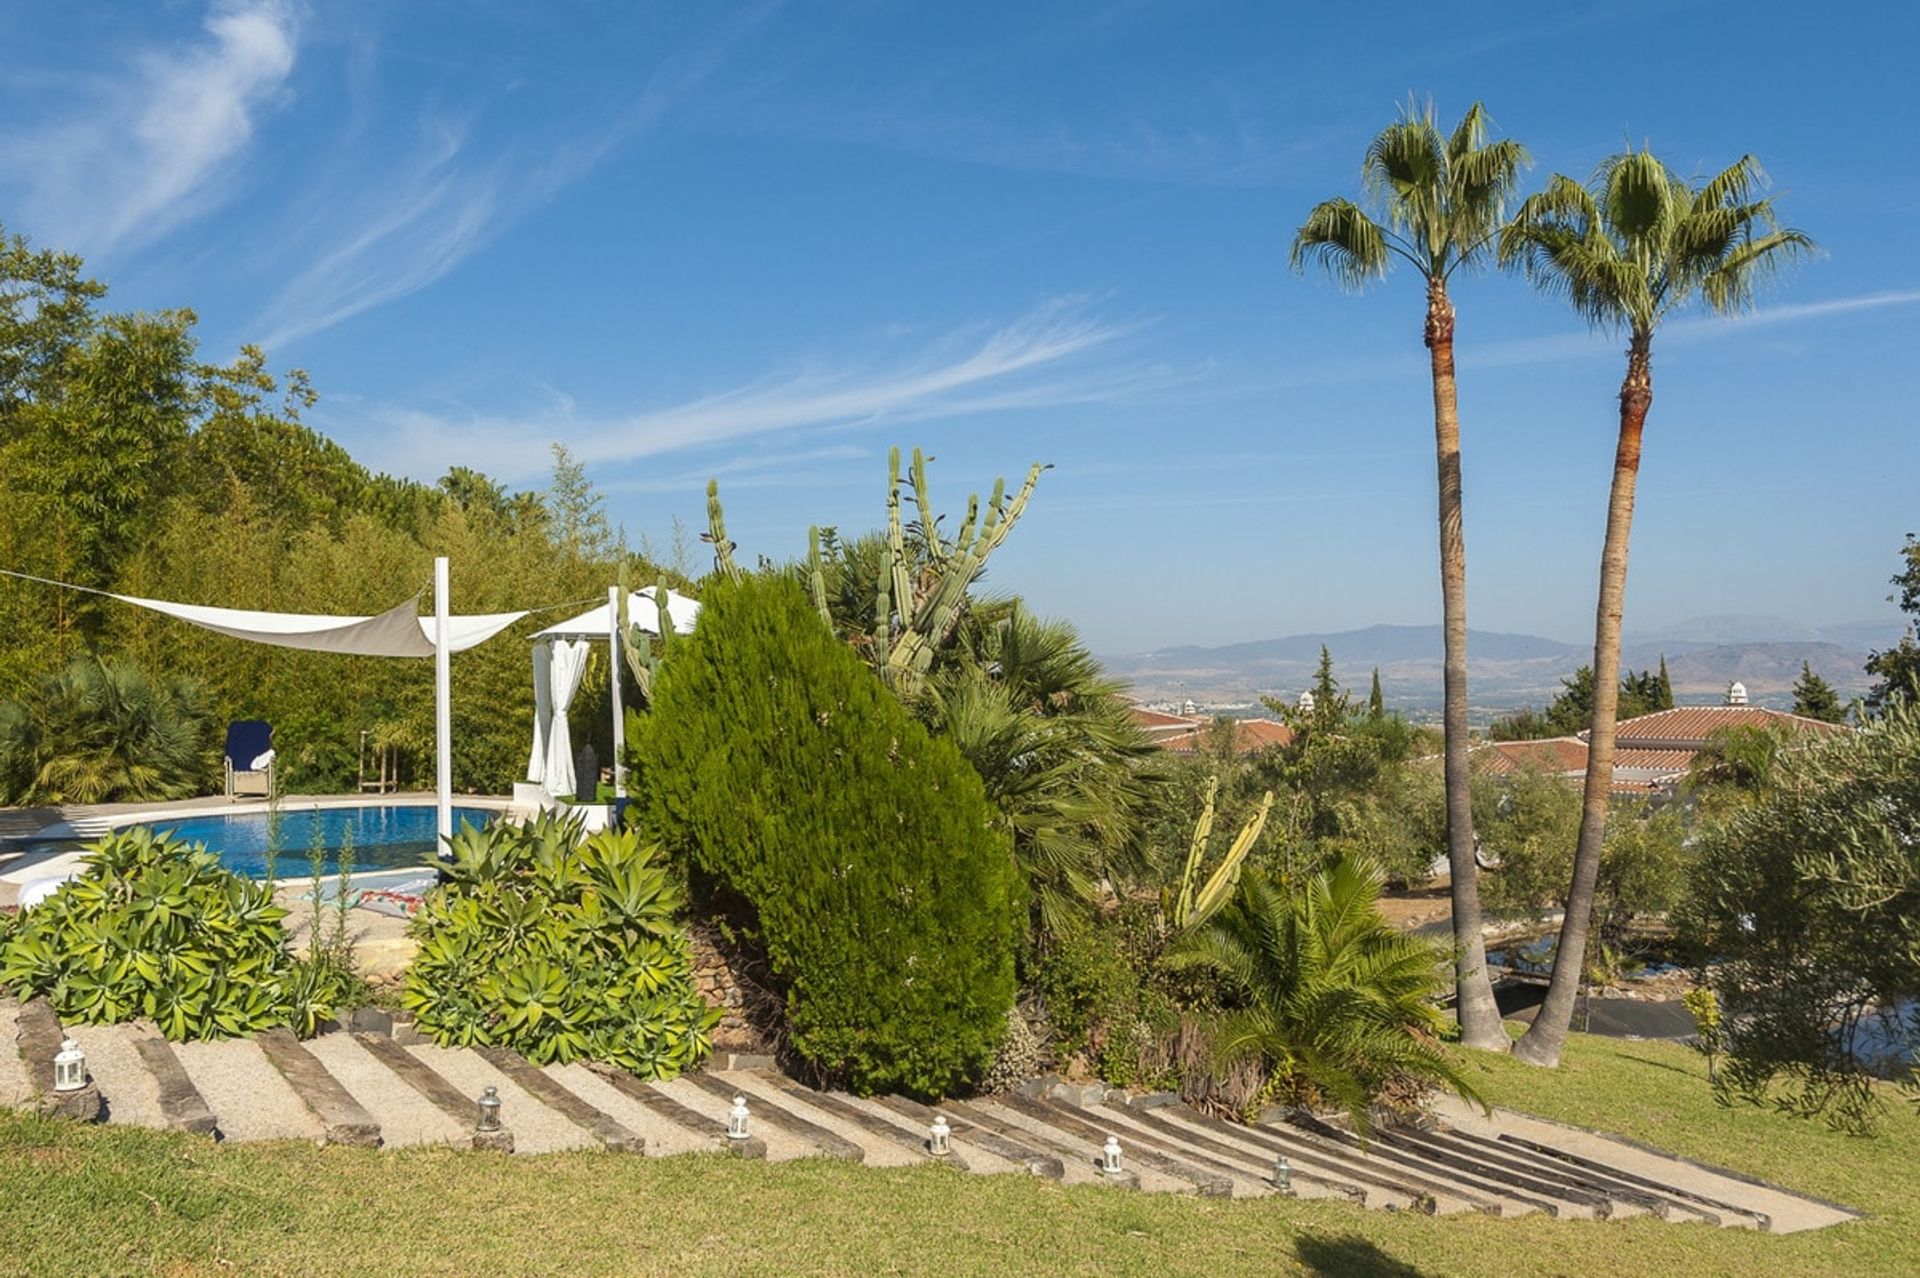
point(102, 731)
point(1047, 731)
point(1441, 198)
point(1629, 248)
point(1334, 1000)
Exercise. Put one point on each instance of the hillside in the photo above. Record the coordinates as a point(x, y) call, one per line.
point(1506, 670)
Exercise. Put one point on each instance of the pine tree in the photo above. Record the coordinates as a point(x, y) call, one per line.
point(1376, 705)
point(1666, 686)
point(1815, 698)
point(857, 850)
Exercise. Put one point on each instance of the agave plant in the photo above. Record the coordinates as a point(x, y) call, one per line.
point(560, 946)
point(1334, 1002)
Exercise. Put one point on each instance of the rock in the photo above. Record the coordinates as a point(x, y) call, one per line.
point(499, 1142)
point(82, 1106)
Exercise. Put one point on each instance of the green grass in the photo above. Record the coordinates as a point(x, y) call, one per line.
point(109, 1201)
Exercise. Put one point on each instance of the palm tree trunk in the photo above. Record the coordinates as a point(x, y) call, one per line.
point(1542, 1044)
point(1479, 1015)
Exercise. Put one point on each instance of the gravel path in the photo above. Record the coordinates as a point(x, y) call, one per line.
point(536, 1129)
point(132, 1095)
point(1081, 1170)
point(760, 1094)
point(977, 1159)
point(405, 1116)
point(15, 1089)
point(663, 1137)
point(246, 1093)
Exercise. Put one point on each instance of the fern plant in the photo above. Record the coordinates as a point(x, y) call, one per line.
point(560, 948)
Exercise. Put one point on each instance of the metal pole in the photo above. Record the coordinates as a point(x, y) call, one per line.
point(613, 679)
point(442, 702)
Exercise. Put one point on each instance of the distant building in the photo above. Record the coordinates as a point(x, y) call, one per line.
point(1653, 752)
point(1187, 733)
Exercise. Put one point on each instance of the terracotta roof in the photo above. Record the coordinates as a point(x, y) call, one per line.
point(1553, 754)
point(1688, 727)
point(1155, 722)
point(1249, 735)
point(1664, 761)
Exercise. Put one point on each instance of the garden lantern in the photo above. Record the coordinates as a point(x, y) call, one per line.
point(69, 1067)
point(1282, 1175)
point(938, 1137)
point(737, 1119)
point(1110, 1157)
point(489, 1111)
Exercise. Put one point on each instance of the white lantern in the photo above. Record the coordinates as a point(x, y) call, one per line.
point(1282, 1175)
point(737, 1119)
point(489, 1111)
point(69, 1067)
point(939, 1137)
point(1110, 1157)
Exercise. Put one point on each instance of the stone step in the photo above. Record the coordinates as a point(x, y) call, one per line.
point(767, 1108)
point(125, 1080)
point(1386, 1153)
point(1157, 1154)
point(184, 1108)
point(536, 1128)
point(709, 1132)
point(606, 1129)
point(343, 1119)
point(16, 1087)
point(405, 1117)
point(1706, 1207)
point(1626, 1199)
point(459, 1109)
point(38, 1036)
point(1309, 1176)
point(866, 1125)
point(250, 1099)
point(1332, 1168)
point(1035, 1161)
point(781, 1143)
point(661, 1136)
point(1079, 1159)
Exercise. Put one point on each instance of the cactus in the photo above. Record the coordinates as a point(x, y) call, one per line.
point(643, 651)
point(1197, 902)
point(817, 576)
point(716, 533)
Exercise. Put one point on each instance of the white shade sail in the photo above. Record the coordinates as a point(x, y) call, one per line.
point(398, 632)
point(642, 611)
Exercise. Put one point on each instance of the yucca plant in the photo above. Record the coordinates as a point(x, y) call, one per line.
point(1334, 1002)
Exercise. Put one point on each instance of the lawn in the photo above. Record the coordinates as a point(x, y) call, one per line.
point(109, 1201)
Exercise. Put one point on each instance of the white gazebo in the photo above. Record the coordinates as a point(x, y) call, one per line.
point(559, 661)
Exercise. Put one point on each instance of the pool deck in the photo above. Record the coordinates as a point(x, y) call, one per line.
point(24, 859)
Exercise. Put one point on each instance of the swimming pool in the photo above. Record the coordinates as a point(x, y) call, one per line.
point(385, 836)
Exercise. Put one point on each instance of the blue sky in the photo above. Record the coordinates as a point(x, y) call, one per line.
point(765, 242)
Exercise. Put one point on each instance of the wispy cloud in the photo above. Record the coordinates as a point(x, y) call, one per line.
point(431, 207)
point(146, 153)
point(1049, 356)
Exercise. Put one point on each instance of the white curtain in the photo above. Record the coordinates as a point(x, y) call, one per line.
point(542, 710)
point(569, 663)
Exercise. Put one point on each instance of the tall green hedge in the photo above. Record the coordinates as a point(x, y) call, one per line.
point(858, 850)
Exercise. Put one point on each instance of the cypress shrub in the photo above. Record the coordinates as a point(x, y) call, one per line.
point(856, 849)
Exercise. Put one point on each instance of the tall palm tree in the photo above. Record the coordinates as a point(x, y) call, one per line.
point(1629, 248)
point(1441, 198)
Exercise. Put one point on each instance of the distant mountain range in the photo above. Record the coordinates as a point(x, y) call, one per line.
point(1506, 670)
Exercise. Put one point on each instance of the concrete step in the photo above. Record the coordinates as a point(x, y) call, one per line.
point(1308, 1177)
point(781, 1142)
point(126, 1082)
point(603, 1127)
point(1162, 1155)
point(886, 1139)
point(343, 1120)
point(1404, 1161)
point(659, 1136)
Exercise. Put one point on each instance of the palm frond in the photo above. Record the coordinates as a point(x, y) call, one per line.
point(1340, 238)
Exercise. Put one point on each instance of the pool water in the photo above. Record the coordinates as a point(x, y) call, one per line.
point(384, 837)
